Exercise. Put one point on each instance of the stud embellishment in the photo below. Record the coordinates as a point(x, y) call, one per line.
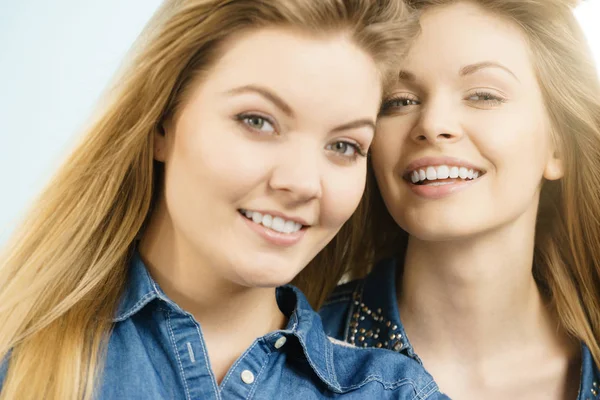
point(366, 325)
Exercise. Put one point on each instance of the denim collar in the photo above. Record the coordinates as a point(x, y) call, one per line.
point(376, 318)
point(303, 322)
point(375, 309)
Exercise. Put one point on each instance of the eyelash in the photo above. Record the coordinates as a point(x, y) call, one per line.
point(492, 99)
point(388, 104)
point(358, 150)
point(244, 117)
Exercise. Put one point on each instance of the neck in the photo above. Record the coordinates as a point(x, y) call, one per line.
point(231, 316)
point(475, 299)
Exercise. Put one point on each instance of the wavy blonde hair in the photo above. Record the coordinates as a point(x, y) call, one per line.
point(63, 272)
point(567, 244)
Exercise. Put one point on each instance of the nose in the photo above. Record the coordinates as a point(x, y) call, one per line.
point(298, 174)
point(438, 124)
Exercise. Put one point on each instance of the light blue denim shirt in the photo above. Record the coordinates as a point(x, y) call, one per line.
point(365, 312)
point(157, 351)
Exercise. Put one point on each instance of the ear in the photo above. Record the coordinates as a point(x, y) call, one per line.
point(554, 167)
point(160, 144)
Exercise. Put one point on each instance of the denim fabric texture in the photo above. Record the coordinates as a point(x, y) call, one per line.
point(365, 313)
point(157, 351)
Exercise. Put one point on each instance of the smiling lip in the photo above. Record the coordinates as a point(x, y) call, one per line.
point(444, 187)
point(273, 237)
point(441, 191)
point(437, 161)
point(281, 215)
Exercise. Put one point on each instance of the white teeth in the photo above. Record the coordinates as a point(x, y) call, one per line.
point(275, 223)
point(415, 177)
point(431, 174)
point(443, 172)
point(267, 221)
point(453, 172)
point(278, 224)
point(289, 226)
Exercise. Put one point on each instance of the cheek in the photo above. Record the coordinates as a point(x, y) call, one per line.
point(343, 188)
point(220, 163)
point(517, 148)
point(387, 154)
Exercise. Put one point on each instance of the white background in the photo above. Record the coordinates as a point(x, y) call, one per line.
point(56, 57)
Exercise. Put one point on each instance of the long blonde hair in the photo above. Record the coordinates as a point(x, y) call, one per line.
point(63, 272)
point(567, 244)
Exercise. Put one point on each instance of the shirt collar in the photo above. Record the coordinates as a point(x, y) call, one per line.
point(377, 300)
point(140, 290)
point(590, 376)
point(375, 316)
point(303, 322)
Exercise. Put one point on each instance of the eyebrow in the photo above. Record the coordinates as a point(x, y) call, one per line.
point(359, 123)
point(466, 70)
point(267, 94)
point(406, 76)
point(472, 68)
point(281, 104)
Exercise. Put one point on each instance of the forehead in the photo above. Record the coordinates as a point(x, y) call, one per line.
point(463, 33)
point(297, 65)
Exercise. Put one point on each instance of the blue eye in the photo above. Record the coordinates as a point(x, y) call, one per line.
point(346, 149)
point(256, 122)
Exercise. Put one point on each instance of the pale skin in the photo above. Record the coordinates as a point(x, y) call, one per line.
point(280, 123)
point(468, 299)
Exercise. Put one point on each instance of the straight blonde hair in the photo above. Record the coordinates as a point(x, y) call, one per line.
point(64, 270)
point(567, 243)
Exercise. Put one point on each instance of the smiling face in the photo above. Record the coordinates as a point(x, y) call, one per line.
point(464, 140)
point(266, 160)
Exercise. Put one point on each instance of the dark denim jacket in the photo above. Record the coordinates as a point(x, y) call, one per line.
point(365, 312)
point(157, 351)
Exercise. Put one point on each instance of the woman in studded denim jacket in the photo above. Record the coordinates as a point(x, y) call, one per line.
point(484, 206)
point(230, 152)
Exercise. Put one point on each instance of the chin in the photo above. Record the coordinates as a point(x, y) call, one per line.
point(266, 276)
point(439, 229)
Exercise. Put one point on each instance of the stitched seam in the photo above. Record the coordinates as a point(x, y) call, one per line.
point(133, 309)
point(385, 384)
point(314, 367)
point(253, 389)
point(337, 296)
point(237, 362)
point(206, 363)
point(336, 301)
point(330, 364)
point(185, 385)
point(426, 391)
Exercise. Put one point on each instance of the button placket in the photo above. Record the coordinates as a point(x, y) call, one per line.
point(247, 377)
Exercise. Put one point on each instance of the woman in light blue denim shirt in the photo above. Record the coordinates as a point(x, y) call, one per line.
point(487, 169)
point(229, 153)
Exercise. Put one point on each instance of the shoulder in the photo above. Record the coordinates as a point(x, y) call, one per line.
point(378, 373)
point(376, 293)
